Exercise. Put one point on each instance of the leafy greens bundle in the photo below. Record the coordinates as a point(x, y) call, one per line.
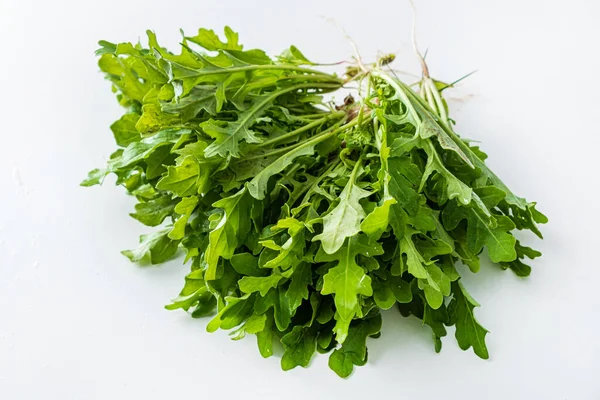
point(303, 220)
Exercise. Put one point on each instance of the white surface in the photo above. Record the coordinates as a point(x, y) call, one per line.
point(78, 321)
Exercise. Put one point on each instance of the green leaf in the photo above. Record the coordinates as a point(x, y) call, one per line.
point(257, 187)
point(251, 284)
point(469, 333)
point(254, 324)
point(154, 120)
point(431, 279)
point(294, 56)
point(124, 130)
point(404, 180)
point(298, 289)
point(125, 73)
point(347, 280)
point(256, 57)
point(194, 292)
point(492, 232)
point(518, 266)
point(436, 319)
point(185, 207)
point(157, 247)
point(344, 220)
point(246, 264)
point(138, 151)
point(156, 161)
point(235, 311)
point(430, 127)
point(95, 177)
point(292, 251)
point(183, 179)
point(354, 349)
point(264, 338)
point(383, 293)
point(276, 299)
point(232, 227)
point(208, 39)
point(299, 347)
point(200, 98)
point(455, 188)
point(228, 137)
point(378, 220)
point(153, 212)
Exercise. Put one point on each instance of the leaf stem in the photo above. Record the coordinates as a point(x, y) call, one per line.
point(282, 67)
point(428, 95)
point(315, 139)
point(302, 129)
point(438, 100)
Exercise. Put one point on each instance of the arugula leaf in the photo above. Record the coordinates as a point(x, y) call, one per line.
point(182, 179)
point(258, 185)
point(234, 312)
point(300, 345)
point(468, 331)
point(492, 232)
point(185, 208)
point(154, 212)
point(354, 350)
point(518, 266)
point(208, 39)
point(347, 280)
point(230, 229)
point(124, 129)
point(298, 289)
point(251, 284)
point(345, 219)
point(157, 247)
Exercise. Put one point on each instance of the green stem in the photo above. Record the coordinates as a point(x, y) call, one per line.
point(323, 78)
point(438, 100)
point(278, 93)
point(281, 67)
point(310, 116)
point(314, 140)
point(301, 129)
point(428, 95)
point(355, 170)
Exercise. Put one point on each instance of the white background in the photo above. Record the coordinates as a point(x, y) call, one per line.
point(78, 321)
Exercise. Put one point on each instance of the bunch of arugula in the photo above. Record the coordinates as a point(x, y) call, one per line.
point(302, 220)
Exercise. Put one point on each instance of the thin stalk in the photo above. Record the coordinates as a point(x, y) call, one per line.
point(314, 140)
point(355, 169)
point(274, 95)
point(281, 67)
point(301, 129)
point(312, 78)
point(421, 88)
point(438, 100)
point(429, 96)
point(360, 116)
point(316, 115)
